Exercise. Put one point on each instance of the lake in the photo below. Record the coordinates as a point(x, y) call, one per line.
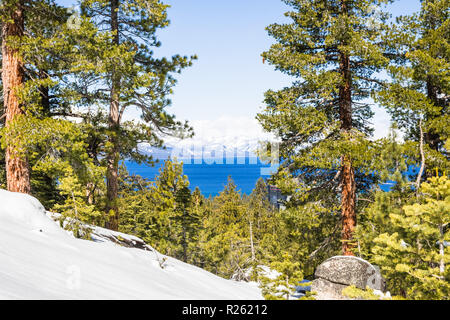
point(211, 177)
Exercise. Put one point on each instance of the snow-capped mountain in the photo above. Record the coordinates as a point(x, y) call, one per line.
point(220, 138)
point(191, 148)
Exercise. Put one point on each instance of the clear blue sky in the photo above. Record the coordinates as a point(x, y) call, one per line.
point(228, 36)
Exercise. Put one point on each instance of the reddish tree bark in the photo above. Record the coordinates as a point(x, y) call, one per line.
point(348, 185)
point(348, 200)
point(17, 169)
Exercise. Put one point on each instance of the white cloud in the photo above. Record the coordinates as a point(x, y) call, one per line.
point(242, 134)
point(381, 123)
point(229, 130)
point(226, 130)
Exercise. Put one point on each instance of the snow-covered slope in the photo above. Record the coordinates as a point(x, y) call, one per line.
point(39, 260)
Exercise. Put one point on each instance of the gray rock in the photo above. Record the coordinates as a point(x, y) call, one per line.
point(349, 271)
point(326, 290)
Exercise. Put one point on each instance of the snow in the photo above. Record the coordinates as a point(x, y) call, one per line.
point(225, 137)
point(191, 149)
point(99, 234)
point(263, 271)
point(39, 260)
point(382, 295)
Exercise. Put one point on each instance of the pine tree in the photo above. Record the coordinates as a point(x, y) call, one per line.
point(414, 258)
point(13, 24)
point(225, 238)
point(128, 75)
point(257, 211)
point(76, 212)
point(283, 285)
point(46, 56)
point(161, 212)
point(200, 210)
point(262, 220)
point(186, 218)
point(389, 197)
point(136, 203)
point(309, 231)
point(419, 95)
point(333, 49)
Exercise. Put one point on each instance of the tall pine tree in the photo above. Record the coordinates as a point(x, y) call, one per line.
point(12, 15)
point(418, 97)
point(127, 74)
point(414, 255)
point(333, 48)
point(35, 52)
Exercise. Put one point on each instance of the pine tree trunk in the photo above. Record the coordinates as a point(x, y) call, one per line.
point(252, 246)
point(348, 206)
point(432, 139)
point(112, 174)
point(422, 159)
point(44, 93)
point(90, 189)
point(348, 185)
point(17, 169)
point(185, 245)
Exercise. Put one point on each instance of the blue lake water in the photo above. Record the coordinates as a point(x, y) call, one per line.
point(212, 178)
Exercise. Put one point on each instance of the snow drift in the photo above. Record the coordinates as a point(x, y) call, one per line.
point(39, 260)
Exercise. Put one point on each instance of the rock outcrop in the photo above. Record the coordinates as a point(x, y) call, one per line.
point(337, 273)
